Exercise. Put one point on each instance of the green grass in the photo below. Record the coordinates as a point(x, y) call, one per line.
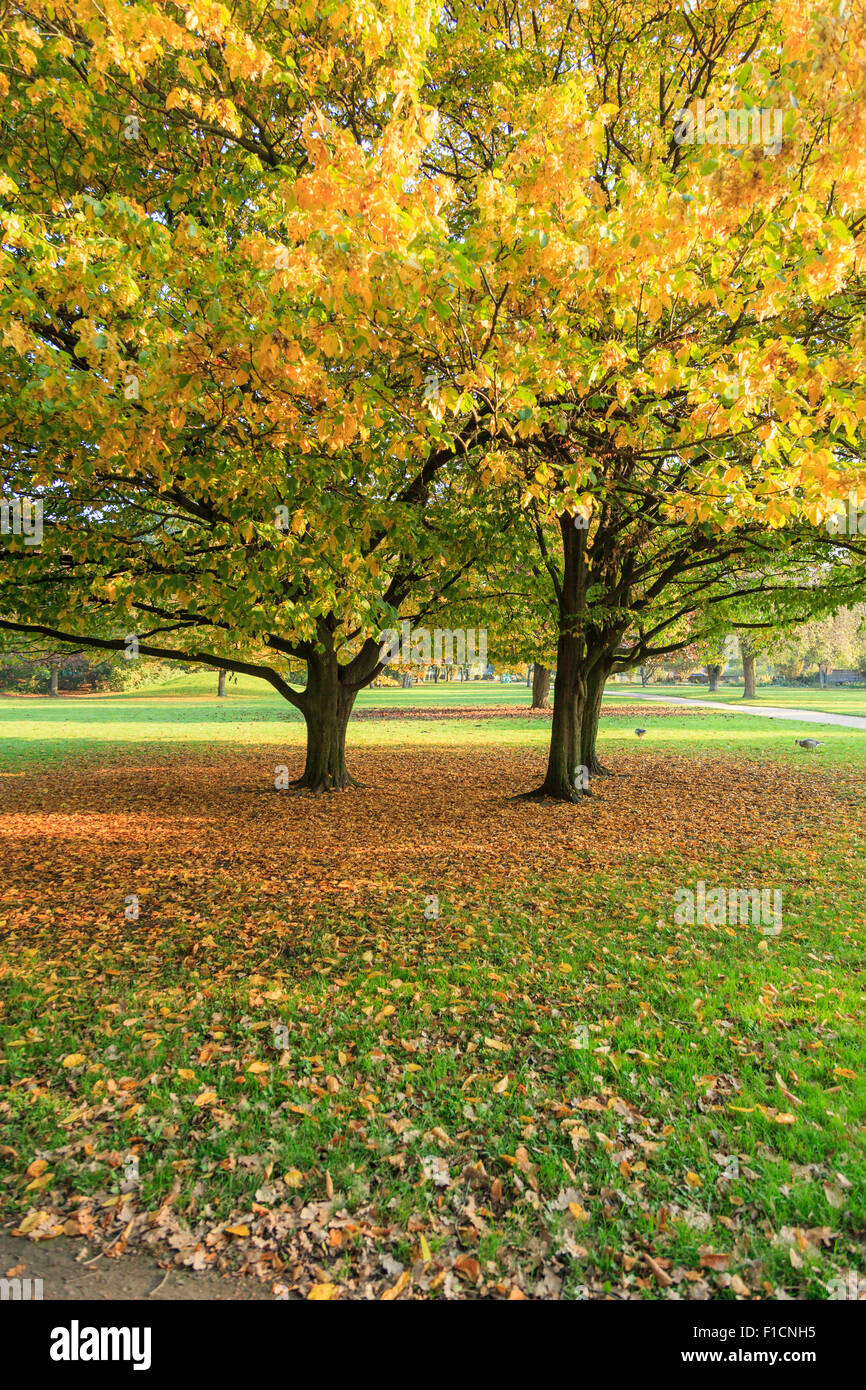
point(462, 1027)
point(40, 732)
point(836, 700)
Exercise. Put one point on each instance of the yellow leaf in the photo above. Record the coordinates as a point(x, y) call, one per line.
point(578, 1212)
point(237, 1230)
point(320, 1293)
point(258, 1067)
point(37, 1168)
point(33, 1219)
point(786, 1119)
point(205, 1098)
point(38, 1183)
point(186, 1074)
point(74, 1059)
point(293, 1178)
point(693, 1180)
point(425, 1248)
point(397, 1288)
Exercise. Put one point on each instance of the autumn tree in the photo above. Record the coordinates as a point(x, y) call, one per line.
point(369, 287)
point(824, 642)
point(207, 228)
point(663, 308)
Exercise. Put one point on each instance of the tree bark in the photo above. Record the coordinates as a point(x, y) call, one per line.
point(595, 683)
point(221, 684)
point(540, 686)
point(326, 708)
point(714, 672)
point(562, 780)
point(749, 682)
point(54, 684)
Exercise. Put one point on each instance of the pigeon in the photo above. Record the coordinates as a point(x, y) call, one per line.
point(809, 742)
point(640, 732)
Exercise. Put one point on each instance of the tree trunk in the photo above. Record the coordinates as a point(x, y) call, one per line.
point(714, 672)
point(326, 709)
point(530, 676)
point(749, 682)
point(540, 686)
point(54, 685)
point(595, 683)
point(221, 684)
point(563, 780)
point(822, 673)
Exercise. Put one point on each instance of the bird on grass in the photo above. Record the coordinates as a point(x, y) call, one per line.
point(640, 732)
point(809, 742)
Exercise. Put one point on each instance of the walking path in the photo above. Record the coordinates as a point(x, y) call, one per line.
point(806, 716)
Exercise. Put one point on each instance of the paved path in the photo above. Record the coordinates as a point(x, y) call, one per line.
point(806, 716)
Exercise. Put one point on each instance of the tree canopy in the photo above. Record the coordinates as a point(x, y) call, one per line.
point(307, 306)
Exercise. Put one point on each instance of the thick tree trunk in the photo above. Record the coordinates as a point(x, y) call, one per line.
point(221, 684)
point(326, 709)
point(54, 685)
point(540, 687)
point(749, 682)
point(714, 672)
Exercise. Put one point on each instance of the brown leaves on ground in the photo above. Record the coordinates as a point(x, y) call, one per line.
point(470, 712)
point(176, 835)
point(207, 837)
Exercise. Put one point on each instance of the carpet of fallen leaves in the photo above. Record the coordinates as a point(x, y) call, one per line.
point(231, 878)
point(622, 711)
point(436, 816)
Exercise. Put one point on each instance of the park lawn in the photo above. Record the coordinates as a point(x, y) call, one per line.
point(834, 700)
point(550, 1088)
point(202, 685)
point(41, 732)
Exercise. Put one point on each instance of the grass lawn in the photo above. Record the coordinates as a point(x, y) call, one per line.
point(835, 700)
point(421, 1039)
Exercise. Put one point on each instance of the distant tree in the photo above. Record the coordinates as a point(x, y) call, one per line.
point(824, 643)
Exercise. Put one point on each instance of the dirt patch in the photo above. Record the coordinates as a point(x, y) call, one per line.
point(71, 1270)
